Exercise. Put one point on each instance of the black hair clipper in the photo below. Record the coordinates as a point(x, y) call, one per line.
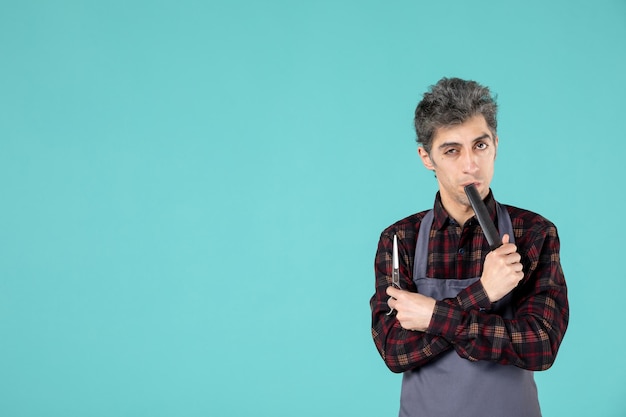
point(491, 233)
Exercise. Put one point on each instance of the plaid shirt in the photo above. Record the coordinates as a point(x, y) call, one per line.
point(529, 340)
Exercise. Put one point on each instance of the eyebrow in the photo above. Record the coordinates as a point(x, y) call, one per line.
point(446, 144)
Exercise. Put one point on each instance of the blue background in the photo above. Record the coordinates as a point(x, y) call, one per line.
point(192, 194)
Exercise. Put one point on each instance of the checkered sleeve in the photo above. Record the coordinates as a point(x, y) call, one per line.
point(474, 297)
point(401, 349)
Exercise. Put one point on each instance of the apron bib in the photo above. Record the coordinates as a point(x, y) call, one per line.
point(452, 386)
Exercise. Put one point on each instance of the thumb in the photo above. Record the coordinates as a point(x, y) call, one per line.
point(505, 238)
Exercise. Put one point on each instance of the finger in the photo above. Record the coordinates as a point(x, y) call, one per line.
point(393, 292)
point(513, 258)
point(507, 249)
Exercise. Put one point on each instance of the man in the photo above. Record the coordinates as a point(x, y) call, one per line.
point(468, 325)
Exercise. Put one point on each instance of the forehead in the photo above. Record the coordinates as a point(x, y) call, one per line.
point(474, 128)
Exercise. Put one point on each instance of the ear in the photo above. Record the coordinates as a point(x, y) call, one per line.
point(425, 157)
point(495, 142)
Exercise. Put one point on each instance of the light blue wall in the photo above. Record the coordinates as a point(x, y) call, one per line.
point(191, 194)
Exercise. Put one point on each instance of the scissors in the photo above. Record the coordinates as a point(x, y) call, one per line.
point(395, 274)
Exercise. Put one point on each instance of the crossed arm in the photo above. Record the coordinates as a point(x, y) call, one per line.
point(423, 328)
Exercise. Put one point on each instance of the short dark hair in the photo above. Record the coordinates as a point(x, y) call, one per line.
point(453, 101)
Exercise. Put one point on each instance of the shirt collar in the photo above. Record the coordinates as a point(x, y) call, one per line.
point(442, 219)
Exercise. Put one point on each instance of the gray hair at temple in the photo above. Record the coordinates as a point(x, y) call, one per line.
point(450, 102)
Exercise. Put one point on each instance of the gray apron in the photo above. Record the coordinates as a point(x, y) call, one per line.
point(452, 386)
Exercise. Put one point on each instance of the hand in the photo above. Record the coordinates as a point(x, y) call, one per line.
point(502, 270)
point(413, 310)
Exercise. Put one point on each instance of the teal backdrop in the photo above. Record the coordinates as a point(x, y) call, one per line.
point(192, 193)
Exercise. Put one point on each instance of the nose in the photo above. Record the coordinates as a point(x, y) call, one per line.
point(469, 162)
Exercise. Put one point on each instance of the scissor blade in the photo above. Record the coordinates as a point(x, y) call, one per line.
point(395, 274)
point(396, 263)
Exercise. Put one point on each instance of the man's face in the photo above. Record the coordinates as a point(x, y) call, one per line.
point(460, 155)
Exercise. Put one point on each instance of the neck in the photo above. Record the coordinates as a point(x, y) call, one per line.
point(461, 218)
point(459, 211)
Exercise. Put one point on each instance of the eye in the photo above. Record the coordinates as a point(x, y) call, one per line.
point(481, 145)
point(450, 151)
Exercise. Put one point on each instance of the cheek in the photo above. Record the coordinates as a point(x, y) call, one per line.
point(488, 169)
